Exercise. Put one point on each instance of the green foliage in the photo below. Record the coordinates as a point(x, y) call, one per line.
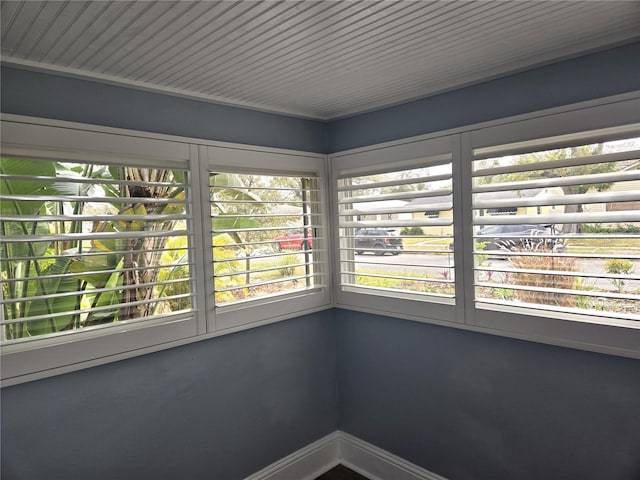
point(618, 266)
point(23, 167)
point(619, 229)
point(69, 283)
point(287, 265)
point(176, 258)
point(224, 268)
point(558, 154)
point(411, 231)
point(481, 258)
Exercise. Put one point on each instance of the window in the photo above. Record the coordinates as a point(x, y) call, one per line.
point(263, 229)
point(267, 235)
point(97, 248)
point(91, 245)
point(572, 244)
point(525, 227)
point(396, 226)
point(116, 243)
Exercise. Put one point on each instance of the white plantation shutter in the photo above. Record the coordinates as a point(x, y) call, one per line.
point(91, 245)
point(265, 223)
point(395, 221)
point(267, 235)
point(575, 203)
point(116, 243)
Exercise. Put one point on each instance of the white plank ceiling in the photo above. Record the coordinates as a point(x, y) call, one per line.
point(317, 59)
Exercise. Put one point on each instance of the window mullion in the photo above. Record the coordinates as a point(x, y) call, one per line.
point(463, 226)
point(202, 248)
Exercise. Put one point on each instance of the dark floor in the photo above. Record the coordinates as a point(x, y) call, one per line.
point(341, 473)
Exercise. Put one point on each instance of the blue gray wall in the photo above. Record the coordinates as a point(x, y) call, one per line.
point(470, 406)
point(597, 75)
point(219, 409)
point(49, 96)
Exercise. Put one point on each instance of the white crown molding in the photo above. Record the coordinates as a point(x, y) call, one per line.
point(149, 87)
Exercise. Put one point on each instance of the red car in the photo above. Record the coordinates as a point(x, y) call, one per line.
point(294, 240)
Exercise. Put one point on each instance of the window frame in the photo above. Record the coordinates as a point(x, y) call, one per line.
point(569, 330)
point(50, 139)
point(40, 355)
point(565, 329)
point(367, 161)
point(261, 310)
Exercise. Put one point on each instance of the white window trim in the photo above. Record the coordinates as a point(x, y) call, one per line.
point(575, 331)
point(43, 138)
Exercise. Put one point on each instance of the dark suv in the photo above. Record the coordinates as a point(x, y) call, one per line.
point(513, 237)
point(378, 241)
point(516, 237)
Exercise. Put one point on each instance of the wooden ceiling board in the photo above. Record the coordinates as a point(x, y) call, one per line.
point(119, 34)
point(164, 37)
point(348, 41)
point(260, 56)
point(243, 46)
point(394, 45)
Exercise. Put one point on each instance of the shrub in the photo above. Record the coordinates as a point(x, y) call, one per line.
point(597, 228)
point(544, 280)
point(411, 231)
point(224, 248)
point(617, 266)
point(287, 265)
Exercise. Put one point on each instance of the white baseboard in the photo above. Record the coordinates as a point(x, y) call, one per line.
point(305, 464)
point(341, 448)
point(378, 464)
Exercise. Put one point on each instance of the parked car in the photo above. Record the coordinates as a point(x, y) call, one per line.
point(515, 237)
point(529, 236)
point(377, 241)
point(294, 240)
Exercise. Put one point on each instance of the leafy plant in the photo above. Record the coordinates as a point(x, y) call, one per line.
point(481, 258)
point(411, 231)
point(225, 267)
point(617, 266)
point(77, 272)
point(623, 229)
point(584, 301)
point(287, 265)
